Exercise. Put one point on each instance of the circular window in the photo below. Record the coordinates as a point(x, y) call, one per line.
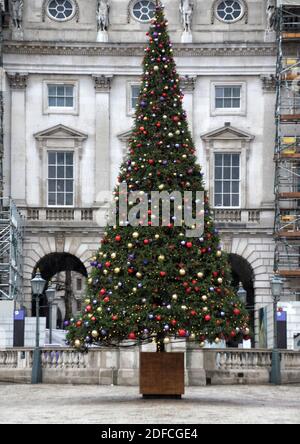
point(61, 10)
point(143, 10)
point(229, 11)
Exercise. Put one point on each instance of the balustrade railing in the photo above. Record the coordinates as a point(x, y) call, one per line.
point(59, 214)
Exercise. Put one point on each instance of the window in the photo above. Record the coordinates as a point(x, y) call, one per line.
point(229, 11)
point(61, 10)
point(134, 97)
point(61, 96)
point(60, 178)
point(143, 10)
point(227, 180)
point(78, 284)
point(228, 97)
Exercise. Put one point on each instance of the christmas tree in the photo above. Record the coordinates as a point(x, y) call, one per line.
point(151, 281)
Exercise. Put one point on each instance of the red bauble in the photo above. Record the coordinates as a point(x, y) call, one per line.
point(146, 242)
point(193, 313)
point(182, 333)
point(215, 274)
point(88, 308)
point(176, 119)
point(233, 334)
point(189, 245)
point(163, 274)
point(237, 312)
point(114, 318)
point(132, 336)
point(78, 324)
point(188, 290)
point(108, 264)
point(158, 317)
point(102, 292)
point(174, 322)
point(207, 318)
point(106, 299)
point(118, 238)
point(151, 162)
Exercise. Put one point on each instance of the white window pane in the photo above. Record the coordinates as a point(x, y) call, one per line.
point(69, 102)
point(235, 173)
point(52, 90)
point(52, 199)
point(227, 103)
point(235, 187)
point(226, 200)
point(235, 200)
point(69, 186)
point(52, 186)
point(236, 103)
point(60, 199)
point(237, 92)
point(227, 92)
point(60, 172)
point(69, 91)
point(69, 158)
point(51, 172)
point(218, 200)
point(60, 158)
point(218, 159)
point(60, 101)
point(219, 173)
point(227, 159)
point(218, 187)
point(52, 101)
point(69, 199)
point(226, 186)
point(227, 173)
point(235, 159)
point(69, 172)
point(219, 92)
point(60, 91)
point(219, 103)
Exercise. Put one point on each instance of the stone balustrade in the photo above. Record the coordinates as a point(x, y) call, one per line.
point(59, 214)
point(243, 216)
point(120, 366)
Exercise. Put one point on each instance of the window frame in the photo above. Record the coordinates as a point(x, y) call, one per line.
point(233, 153)
point(130, 110)
point(241, 111)
point(74, 110)
point(243, 10)
point(62, 151)
point(64, 19)
point(131, 7)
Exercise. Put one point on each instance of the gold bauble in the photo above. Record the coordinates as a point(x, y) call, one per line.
point(135, 235)
point(134, 290)
point(130, 246)
point(167, 341)
point(204, 298)
point(117, 270)
point(90, 281)
point(175, 297)
point(113, 255)
point(192, 337)
point(157, 236)
point(139, 275)
point(105, 272)
point(219, 253)
point(99, 309)
point(217, 340)
point(77, 343)
point(87, 301)
point(205, 309)
point(161, 258)
point(95, 334)
point(184, 307)
point(200, 275)
point(182, 272)
point(202, 344)
point(247, 331)
point(161, 187)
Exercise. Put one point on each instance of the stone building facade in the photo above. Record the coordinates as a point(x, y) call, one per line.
point(72, 77)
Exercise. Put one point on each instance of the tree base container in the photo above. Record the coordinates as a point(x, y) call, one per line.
point(162, 375)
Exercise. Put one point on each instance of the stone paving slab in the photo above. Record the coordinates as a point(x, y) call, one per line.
point(51, 404)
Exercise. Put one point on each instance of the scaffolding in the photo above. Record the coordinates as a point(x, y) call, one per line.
point(287, 151)
point(12, 225)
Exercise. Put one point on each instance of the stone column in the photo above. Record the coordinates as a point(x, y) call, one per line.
point(188, 86)
point(102, 155)
point(269, 96)
point(18, 83)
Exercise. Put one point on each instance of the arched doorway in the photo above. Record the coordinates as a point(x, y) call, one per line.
point(64, 270)
point(243, 272)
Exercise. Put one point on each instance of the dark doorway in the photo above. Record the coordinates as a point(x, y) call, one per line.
point(49, 266)
point(243, 272)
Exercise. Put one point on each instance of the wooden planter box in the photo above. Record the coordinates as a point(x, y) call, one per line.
point(162, 374)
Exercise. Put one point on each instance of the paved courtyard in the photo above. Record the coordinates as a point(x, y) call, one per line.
point(106, 405)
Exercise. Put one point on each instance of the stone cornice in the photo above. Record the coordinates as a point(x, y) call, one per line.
point(123, 49)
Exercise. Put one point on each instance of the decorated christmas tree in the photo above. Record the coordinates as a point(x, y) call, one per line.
point(151, 281)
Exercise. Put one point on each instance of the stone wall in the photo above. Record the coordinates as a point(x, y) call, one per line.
point(121, 366)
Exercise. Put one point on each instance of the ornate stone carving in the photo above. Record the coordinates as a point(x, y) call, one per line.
point(16, 12)
point(186, 9)
point(117, 50)
point(103, 8)
point(60, 242)
point(268, 83)
point(188, 83)
point(17, 81)
point(271, 15)
point(44, 10)
point(102, 83)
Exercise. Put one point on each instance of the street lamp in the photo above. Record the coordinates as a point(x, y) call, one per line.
point(50, 293)
point(276, 288)
point(242, 294)
point(38, 285)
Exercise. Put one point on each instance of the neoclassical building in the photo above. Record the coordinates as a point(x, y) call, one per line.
point(71, 85)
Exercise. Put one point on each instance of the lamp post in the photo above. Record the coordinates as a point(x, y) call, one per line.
point(242, 294)
point(38, 285)
point(276, 288)
point(50, 293)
